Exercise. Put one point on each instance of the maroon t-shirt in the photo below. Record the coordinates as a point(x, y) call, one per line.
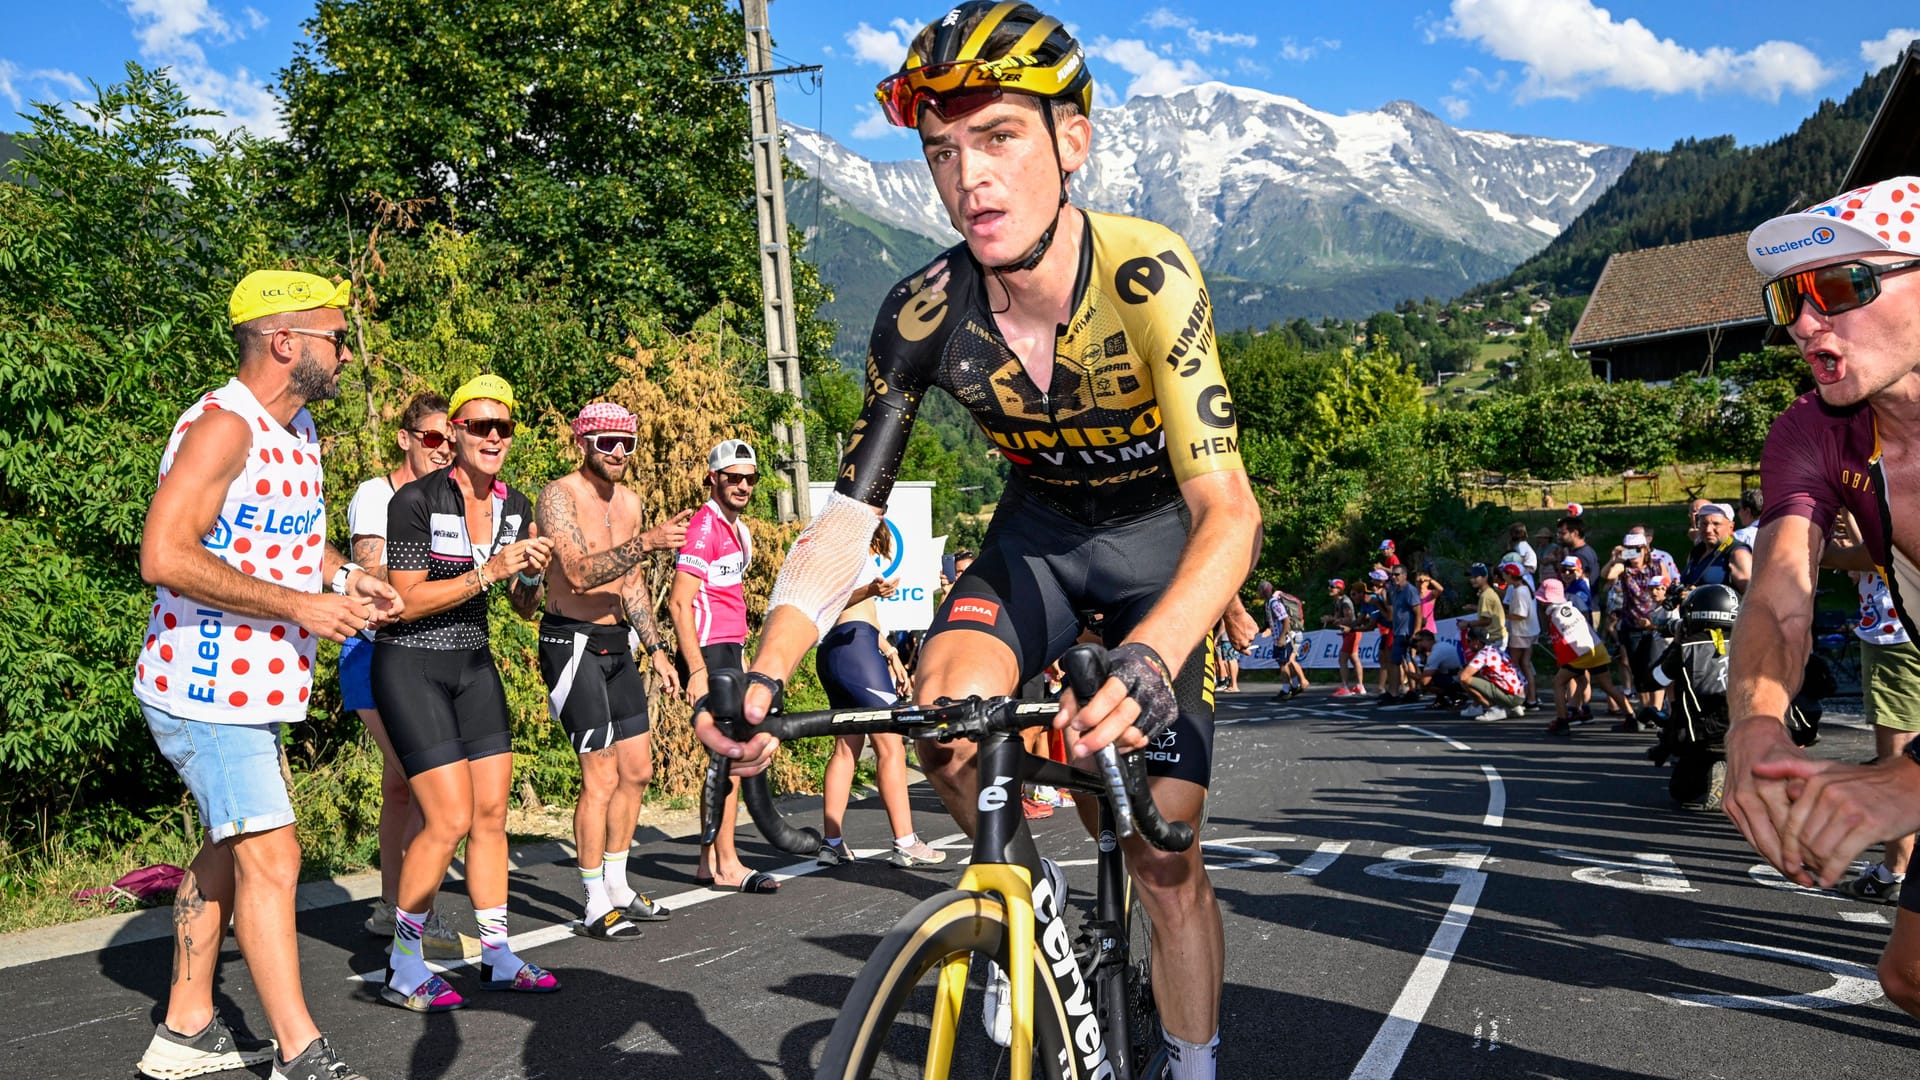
point(1818, 459)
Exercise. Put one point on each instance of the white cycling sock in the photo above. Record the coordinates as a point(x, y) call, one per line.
point(908, 840)
point(619, 893)
point(1190, 1061)
point(595, 883)
point(501, 962)
point(408, 959)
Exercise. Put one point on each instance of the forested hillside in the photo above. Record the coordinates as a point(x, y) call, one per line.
point(1705, 187)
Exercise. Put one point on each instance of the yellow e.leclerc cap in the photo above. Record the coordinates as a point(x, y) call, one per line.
point(491, 387)
point(270, 292)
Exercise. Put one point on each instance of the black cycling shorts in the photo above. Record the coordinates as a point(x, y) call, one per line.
point(852, 670)
point(440, 705)
point(593, 687)
point(1058, 574)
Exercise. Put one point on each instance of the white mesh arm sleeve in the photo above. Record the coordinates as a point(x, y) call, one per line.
point(826, 560)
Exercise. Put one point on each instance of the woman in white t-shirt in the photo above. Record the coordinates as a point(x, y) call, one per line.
point(1523, 621)
point(425, 438)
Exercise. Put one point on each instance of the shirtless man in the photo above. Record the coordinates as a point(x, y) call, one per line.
point(597, 604)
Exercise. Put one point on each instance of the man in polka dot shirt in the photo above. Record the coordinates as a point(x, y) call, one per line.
point(235, 545)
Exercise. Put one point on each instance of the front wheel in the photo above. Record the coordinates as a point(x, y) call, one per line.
point(885, 1025)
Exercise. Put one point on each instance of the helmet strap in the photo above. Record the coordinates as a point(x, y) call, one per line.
point(1040, 246)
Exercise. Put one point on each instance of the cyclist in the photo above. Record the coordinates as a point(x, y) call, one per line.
point(1840, 285)
point(1083, 345)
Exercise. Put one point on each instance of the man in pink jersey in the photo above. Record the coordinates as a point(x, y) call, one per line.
point(236, 547)
point(709, 607)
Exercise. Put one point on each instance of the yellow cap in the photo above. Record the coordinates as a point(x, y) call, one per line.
point(270, 292)
point(491, 387)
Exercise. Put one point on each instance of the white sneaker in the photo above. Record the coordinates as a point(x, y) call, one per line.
point(1517, 712)
point(1492, 714)
point(1472, 711)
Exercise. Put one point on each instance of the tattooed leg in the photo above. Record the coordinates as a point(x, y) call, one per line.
point(200, 911)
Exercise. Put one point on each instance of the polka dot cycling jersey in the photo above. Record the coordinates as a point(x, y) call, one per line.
point(201, 662)
point(1135, 404)
point(427, 530)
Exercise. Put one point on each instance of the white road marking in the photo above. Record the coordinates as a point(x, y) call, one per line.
point(684, 955)
point(1766, 875)
point(1649, 872)
point(1321, 858)
point(547, 935)
point(1455, 743)
point(1390, 1043)
point(1496, 799)
point(1853, 984)
point(1868, 918)
point(121, 1015)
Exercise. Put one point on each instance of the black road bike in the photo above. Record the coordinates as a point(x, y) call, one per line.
point(1083, 1005)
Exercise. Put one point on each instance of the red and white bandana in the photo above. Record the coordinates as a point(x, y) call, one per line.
point(604, 416)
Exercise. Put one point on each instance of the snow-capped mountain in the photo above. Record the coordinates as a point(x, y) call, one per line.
point(1292, 211)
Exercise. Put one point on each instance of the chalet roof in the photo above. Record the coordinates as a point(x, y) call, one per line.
point(1890, 148)
point(1675, 289)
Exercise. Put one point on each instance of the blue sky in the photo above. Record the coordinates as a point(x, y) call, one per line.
point(1633, 73)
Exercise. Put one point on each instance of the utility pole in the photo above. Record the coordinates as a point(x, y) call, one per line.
point(776, 259)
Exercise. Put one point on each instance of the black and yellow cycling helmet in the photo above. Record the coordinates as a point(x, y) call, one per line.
point(956, 76)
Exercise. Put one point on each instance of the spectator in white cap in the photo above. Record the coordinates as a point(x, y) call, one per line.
point(1838, 285)
point(1346, 620)
point(1718, 559)
point(1572, 575)
point(1523, 621)
point(709, 606)
point(1641, 588)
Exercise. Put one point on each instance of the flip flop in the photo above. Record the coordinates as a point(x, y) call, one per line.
point(643, 909)
point(530, 979)
point(758, 881)
point(432, 996)
point(613, 926)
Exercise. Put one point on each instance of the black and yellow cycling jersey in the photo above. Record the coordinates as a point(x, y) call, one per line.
point(1136, 404)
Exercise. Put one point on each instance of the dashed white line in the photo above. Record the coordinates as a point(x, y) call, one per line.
point(1496, 799)
point(1455, 743)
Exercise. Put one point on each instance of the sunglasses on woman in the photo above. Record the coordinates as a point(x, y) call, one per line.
point(481, 429)
point(432, 440)
point(611, 444)
point(1833, 289)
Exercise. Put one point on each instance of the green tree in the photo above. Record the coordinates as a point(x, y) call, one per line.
point(588, 135)
point(130, 225)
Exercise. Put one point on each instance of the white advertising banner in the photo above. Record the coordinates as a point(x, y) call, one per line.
point(915, 566)
point(1322, 647)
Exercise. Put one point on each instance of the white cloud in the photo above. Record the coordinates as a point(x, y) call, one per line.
point(1293, 52)
point(167, 28)
point(1457, 109)
point(873, 125)
point(1472, 79)
point(882, 48)
point(1163, 19)
point(1882, 51)
point(1569, 47)
point(175, 33)
point(41, 84)
point(1205, 40)
point(1153, 74)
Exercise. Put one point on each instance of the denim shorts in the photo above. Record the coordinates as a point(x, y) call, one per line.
point(356, 674)
point(234, 771)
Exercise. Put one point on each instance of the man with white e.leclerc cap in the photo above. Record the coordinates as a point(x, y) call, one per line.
point(1839, 286)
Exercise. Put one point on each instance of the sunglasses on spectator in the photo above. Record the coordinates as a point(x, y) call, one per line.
point(1833, 289)
point(432, 440)
point(481, 429)
point(611, 444)
point(749, 479)
point(338, 337)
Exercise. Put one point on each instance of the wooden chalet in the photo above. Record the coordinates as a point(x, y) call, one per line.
point(1664, 312)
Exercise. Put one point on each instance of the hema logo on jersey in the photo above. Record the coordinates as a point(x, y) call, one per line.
point(258, 519)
